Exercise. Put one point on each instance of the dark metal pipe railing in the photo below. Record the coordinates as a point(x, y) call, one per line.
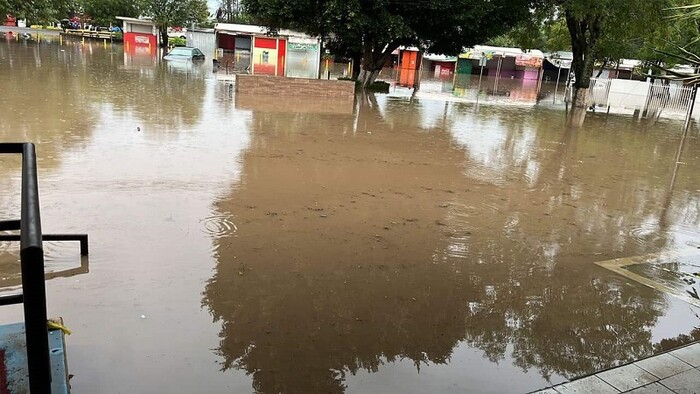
point(33, 287)
point(82, 238)
point(6, 225)
point(33, 294)
point(11, 299)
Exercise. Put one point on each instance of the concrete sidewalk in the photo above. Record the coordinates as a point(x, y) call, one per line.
point(677, 371)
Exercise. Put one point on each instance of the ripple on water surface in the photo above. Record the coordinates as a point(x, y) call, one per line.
point(218, 225)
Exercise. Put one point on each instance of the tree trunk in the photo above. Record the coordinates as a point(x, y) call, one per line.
point(368, 77)
point(580, 99)
point(356, 65)
point(163, 37)
point(602, 68)
point(373, 60)
point(584, 32)
point(584, 37)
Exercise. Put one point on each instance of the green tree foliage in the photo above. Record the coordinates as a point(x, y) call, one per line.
point(628, 31)
point(105, 12)
point(168, 13)
point(684, 44)
point(380, 26)
point(604, 30)
point(38, 11)
point(231, 11)
point(682, 33)
point(550, 35)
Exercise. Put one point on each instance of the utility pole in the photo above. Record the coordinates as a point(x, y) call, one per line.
point(691, 107)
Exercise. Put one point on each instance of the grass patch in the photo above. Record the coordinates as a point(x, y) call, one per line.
point(176, 42)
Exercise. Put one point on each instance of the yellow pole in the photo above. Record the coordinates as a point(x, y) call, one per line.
point(38, 37)
point(60, 39)
point(83, 40)
point(104, 41)
point(349, 70)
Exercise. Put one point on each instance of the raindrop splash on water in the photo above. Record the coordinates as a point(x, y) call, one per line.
point(218, 225)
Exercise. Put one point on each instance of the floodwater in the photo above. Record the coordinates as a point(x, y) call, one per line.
point(248, 244)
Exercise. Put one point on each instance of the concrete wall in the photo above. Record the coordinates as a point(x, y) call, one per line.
point(281, 86)
point(315, 105)
point(628, 94)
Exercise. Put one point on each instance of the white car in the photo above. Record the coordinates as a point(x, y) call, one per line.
point(178, 34)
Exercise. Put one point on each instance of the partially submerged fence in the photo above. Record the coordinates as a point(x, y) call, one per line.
point(647, 98)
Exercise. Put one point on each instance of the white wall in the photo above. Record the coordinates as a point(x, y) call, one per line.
point(135, 28)
point(628, 94)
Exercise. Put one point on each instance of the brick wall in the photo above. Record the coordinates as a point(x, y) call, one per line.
point(282, 86)
point(308, 104)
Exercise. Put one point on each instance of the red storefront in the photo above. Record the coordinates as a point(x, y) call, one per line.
point(269, 55)
point(140, 35)
point(252, 49)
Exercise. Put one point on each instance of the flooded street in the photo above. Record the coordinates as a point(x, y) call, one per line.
point(243, 245)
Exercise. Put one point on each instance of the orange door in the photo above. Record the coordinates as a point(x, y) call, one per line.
point(407, 73)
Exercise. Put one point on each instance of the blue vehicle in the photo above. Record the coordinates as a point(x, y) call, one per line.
point(185, 54)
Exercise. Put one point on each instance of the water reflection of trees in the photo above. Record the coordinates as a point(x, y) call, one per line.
point(55, 95)
point(161, 97)
point(303, 301)
point(42, 102)
point(306, 313)
point(613, 176)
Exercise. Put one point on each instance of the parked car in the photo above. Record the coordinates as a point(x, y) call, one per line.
point(177, 33)
point(185, 53)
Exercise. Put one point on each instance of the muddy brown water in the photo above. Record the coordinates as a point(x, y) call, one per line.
point(244, 244)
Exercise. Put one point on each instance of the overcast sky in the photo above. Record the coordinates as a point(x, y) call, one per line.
point(212, 6)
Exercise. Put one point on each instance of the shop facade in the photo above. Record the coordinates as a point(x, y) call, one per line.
point(253, 49)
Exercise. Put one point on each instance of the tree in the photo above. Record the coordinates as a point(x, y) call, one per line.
point(633, 30)
point(168, 13)
point(104, 12)
point(684, 47)
point(231, 11)
point(550, 35)
point(38, 11)
point(602, 29)
point(381, 26)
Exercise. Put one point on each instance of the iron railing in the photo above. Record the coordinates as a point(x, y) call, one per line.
point(33, 294)
point(648, 98)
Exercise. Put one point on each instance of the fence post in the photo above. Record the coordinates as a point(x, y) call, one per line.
point(691, 107)
point(33, 286)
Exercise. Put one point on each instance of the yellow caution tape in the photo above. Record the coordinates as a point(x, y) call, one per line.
point(57, 326)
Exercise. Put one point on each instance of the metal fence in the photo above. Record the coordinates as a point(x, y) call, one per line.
point(650, 99)
point(33, 294)
point(669, 98)
point(205, 40)
point(599, 90)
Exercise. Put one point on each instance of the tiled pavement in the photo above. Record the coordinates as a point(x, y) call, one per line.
point(677, 371)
